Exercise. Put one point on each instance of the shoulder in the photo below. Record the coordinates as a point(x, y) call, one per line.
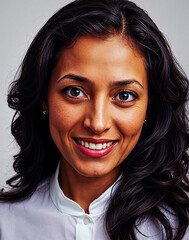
point(16, 208)
point(149, 228)
point(33, 218)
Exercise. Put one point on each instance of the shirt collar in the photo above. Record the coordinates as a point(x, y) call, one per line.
point(68, 206)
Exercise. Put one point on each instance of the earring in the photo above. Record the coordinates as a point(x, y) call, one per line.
point(45, 111)
point(145, 121)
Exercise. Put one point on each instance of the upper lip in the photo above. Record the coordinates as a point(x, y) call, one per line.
point(92, 140)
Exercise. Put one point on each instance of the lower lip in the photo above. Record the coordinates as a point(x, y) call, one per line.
point(95, 153)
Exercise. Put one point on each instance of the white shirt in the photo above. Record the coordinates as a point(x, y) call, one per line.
point(49, 215)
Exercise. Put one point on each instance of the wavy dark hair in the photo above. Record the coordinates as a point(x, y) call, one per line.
point(154, 176)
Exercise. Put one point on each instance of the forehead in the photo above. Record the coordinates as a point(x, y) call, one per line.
point(90, 47)
point(114, 57)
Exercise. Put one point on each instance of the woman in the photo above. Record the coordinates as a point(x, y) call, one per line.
point(102, 129)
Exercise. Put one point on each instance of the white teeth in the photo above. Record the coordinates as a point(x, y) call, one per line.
point(104, 145)
point(93, 146)
point(99, 146)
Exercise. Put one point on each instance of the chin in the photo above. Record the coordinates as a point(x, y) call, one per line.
point(97, 170)
point(92, 172)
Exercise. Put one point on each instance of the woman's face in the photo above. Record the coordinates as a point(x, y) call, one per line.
point(97, 102)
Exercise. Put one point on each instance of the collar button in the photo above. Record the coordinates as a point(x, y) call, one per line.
point(86, 220)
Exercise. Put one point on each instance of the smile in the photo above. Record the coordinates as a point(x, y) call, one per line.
point(95, 147)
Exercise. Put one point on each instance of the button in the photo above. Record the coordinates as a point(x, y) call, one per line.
point(86, 220)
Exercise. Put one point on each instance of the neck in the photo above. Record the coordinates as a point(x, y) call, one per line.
point(83, 189)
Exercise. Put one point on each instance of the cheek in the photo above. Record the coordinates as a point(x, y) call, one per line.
point(62, 120)
point(63, 117)
point(131, 122)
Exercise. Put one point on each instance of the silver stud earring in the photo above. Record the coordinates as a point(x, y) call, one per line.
point(45, 111)
point(145, 121)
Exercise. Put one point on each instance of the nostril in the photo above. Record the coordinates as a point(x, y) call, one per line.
point(98, 120)
point(97, 129)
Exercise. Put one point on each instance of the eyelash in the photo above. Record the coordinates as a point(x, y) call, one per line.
point(68, 92)
point(133, 94)
point(69, 89)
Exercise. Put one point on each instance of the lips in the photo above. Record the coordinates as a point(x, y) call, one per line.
point(95, 147)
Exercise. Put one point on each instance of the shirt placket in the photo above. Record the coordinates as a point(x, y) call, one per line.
point(84, 227)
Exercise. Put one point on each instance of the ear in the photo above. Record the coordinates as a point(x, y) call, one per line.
point(44, 107)
point(147, 112)
point(44, 103)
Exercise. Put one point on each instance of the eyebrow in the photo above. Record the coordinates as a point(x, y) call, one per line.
point(75, 77)
point(86, 80)
point(126, 82)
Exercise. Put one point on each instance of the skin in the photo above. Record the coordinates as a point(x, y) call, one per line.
point(97, 110)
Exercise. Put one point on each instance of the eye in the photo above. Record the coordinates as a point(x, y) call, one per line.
point(126, 96)
point(74, 92)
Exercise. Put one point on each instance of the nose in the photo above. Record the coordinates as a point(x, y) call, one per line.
point(98, 116)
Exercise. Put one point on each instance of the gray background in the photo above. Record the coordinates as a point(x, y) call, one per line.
point(20, 20)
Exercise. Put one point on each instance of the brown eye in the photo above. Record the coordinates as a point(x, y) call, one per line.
point(126, 96)
point(74, 92)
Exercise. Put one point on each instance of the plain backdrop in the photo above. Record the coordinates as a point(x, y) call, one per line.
point(20, 20)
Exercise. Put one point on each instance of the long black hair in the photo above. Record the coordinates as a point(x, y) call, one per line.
point(154, 175)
